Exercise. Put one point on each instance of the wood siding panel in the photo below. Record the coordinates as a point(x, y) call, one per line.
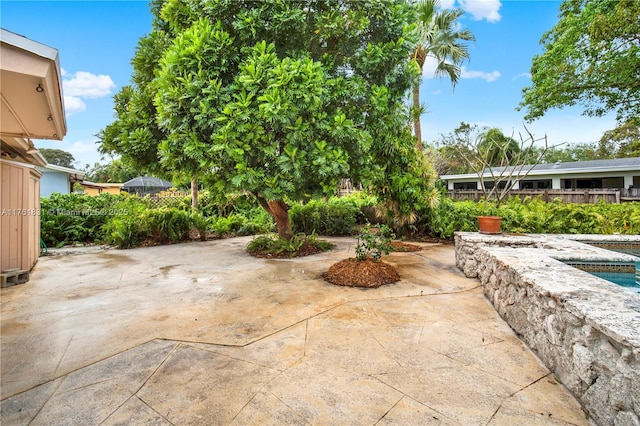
point(19, 221)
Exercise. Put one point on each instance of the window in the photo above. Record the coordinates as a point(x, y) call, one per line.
point(501, 185)
point(536, 184)
point(588, 183)
point(465, 185)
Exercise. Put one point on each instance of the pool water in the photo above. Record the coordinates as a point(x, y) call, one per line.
point(620, 273)
point(621, 278)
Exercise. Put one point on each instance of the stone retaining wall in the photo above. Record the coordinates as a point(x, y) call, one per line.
point(586, 330)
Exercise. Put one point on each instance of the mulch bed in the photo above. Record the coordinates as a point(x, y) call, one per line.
point(306, 250)
point(361, 273)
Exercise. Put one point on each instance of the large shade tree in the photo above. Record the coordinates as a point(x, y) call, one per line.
point(442, 38)
point(591, 58)
point(279, 99)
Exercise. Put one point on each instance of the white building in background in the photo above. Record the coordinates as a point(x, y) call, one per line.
point(622, 173)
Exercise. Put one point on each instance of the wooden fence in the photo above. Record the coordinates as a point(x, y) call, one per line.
point(166, 198)
point(577, 196)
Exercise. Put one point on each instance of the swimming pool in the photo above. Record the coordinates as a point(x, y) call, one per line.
point(621, 278)
point(631, 248)
point(625, 274)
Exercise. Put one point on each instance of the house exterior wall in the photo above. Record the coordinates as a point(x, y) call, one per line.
point(54, 182)
point(616, 178)
point(94, 191)
point(19, 216)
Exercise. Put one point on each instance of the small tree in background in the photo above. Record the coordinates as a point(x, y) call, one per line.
point(621, 142)
point(480, 149)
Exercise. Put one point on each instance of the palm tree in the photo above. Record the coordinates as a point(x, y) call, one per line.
point(440, 38)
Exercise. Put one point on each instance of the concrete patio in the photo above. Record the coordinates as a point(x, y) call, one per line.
point(202, 333)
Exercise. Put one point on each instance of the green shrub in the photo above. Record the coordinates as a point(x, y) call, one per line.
point(372, 245)
point(126, 229)
point(539, 217)
point(75, 218)
point(201, 224)
point(274, 244)
point(166, 224)
point(228, 225)
point(338, 216)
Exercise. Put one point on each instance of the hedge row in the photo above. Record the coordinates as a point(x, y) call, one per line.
point(127, 221)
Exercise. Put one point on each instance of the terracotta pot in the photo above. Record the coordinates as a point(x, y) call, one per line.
point(489, 224)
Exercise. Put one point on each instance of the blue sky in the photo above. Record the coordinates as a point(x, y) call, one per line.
point(97, 39)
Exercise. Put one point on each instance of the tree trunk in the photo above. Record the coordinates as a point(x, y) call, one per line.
point(280, 212)
point(416, 118)
point(194, 194)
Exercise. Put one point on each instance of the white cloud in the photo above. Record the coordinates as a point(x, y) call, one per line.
point(429, 67)
point(83, 151)
point(82, 147)
point(87, 85)
point(73, 104)
point(447, 4)
point(436, 92)
point(523, 74)
point(487, 76)
point(482, 9)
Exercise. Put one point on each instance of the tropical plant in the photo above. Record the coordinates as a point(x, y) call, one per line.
point(75, 218)
point(537, 216)
point(440, 38)
point(274, 244)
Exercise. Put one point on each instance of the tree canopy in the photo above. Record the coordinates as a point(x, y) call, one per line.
point(279, 99)
point(621, 142)
point(591, 58)
point(114, 171)
point(57, 157)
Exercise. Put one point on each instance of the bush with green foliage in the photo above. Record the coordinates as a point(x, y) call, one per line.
point(337, 216)
point(273, 243)
point(372, 245)
point(126, 229)
point(75, 218)
point(167, 225)
point(537, 216)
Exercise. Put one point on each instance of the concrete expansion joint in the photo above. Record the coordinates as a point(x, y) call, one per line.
point(387, 355)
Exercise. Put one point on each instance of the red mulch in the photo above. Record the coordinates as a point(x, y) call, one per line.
point(361, 273)
point(306, 250)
